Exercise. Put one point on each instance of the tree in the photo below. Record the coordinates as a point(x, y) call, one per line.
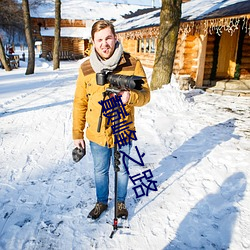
point(168, 34)
point(11, 19)
point(29, 39)
point(3, 57)
point(56, 59)
point(10, 24)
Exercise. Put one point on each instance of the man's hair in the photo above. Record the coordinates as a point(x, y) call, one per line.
point(101, 24)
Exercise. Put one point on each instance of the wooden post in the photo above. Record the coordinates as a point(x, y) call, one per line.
point(201, 60)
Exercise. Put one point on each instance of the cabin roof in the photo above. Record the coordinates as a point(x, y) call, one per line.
point(193, 10)
point(85, 10)
point(208, 9)
point(140, 21)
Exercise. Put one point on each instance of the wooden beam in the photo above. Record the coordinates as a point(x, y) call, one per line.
point(201, 60)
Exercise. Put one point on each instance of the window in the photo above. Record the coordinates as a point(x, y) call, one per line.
point(146, 45)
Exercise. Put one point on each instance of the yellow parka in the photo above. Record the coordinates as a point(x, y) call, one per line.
point(86, 108)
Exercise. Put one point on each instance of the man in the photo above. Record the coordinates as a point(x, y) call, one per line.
point(107, 54)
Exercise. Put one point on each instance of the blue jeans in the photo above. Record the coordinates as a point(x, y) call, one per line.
point(102, 157)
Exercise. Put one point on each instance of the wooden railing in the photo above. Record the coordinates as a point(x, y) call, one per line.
point(64, 55)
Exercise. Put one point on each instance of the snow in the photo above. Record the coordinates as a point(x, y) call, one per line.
point(192, 10)
point(197, 9)
point(84, 33)
point(196, 145)
point(155, 3)
point(145, 20)
point(86, 10)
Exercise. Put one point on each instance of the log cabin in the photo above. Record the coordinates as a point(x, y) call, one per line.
point(213, 41)
point(74, 37)
point(77, 19)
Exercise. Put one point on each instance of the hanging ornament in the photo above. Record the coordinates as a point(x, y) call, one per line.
point(217, 25)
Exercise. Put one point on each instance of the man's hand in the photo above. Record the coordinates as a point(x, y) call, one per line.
point(125, 96)
point(79, 143)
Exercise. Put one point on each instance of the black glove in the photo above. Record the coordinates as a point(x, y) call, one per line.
point(78, 153)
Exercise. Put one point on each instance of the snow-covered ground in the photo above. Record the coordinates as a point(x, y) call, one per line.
point(196, 145)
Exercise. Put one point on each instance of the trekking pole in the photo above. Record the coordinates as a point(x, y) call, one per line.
point(100, 116)
point(116, 169)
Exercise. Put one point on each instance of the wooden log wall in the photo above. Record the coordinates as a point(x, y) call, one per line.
point(209, 57)
point(190, 56)
point(73, 45)
point(185, 59)
point(131, 46)
point(66, 44)
point(178, 61)
point(47, 45)
point(186, 55)
point(50, 22)
point(146, 59)
point(79, 46)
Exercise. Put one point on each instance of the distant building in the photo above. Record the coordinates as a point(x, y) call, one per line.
point(77, 19)
point(75, 36)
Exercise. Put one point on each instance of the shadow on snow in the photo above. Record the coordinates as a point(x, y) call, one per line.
point(209, 225)
point(22, 110)
point(189, 155)
point(191, 152)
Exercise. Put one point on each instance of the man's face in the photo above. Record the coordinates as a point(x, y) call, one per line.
point(104, 42)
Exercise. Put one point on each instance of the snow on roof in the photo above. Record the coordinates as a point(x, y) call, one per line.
point(198, 9)
point(85, 10)
point(145, 20)
point(79, 32)
point(192, 10)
